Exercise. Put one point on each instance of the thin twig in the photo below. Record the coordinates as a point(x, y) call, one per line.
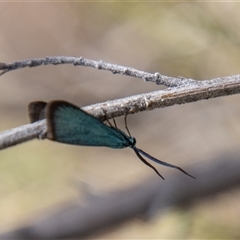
point(80, 61)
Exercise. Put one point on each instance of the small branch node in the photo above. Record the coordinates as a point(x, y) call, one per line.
point(100, 64)
point(79, 61)
point(126, 71)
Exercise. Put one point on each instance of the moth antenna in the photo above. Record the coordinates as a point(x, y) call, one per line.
point(163, 163)
point(147, 163)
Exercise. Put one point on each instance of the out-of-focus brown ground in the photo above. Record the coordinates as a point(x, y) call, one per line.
point(194, 40)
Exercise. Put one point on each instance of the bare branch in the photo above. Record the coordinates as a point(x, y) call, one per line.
point(182, 91)
point(130, 105)
point(21, 134)
point(80, 61)
point(115, 69)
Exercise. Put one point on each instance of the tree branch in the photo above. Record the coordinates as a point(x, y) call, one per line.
point(22, 134)
point(182, 91)
point(80, 61)
point(115, 69)
point(130, 105)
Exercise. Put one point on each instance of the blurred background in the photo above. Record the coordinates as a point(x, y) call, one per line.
point(195, 40)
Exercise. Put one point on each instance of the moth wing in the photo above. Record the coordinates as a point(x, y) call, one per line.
point(36, 111)
point(69, 124)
